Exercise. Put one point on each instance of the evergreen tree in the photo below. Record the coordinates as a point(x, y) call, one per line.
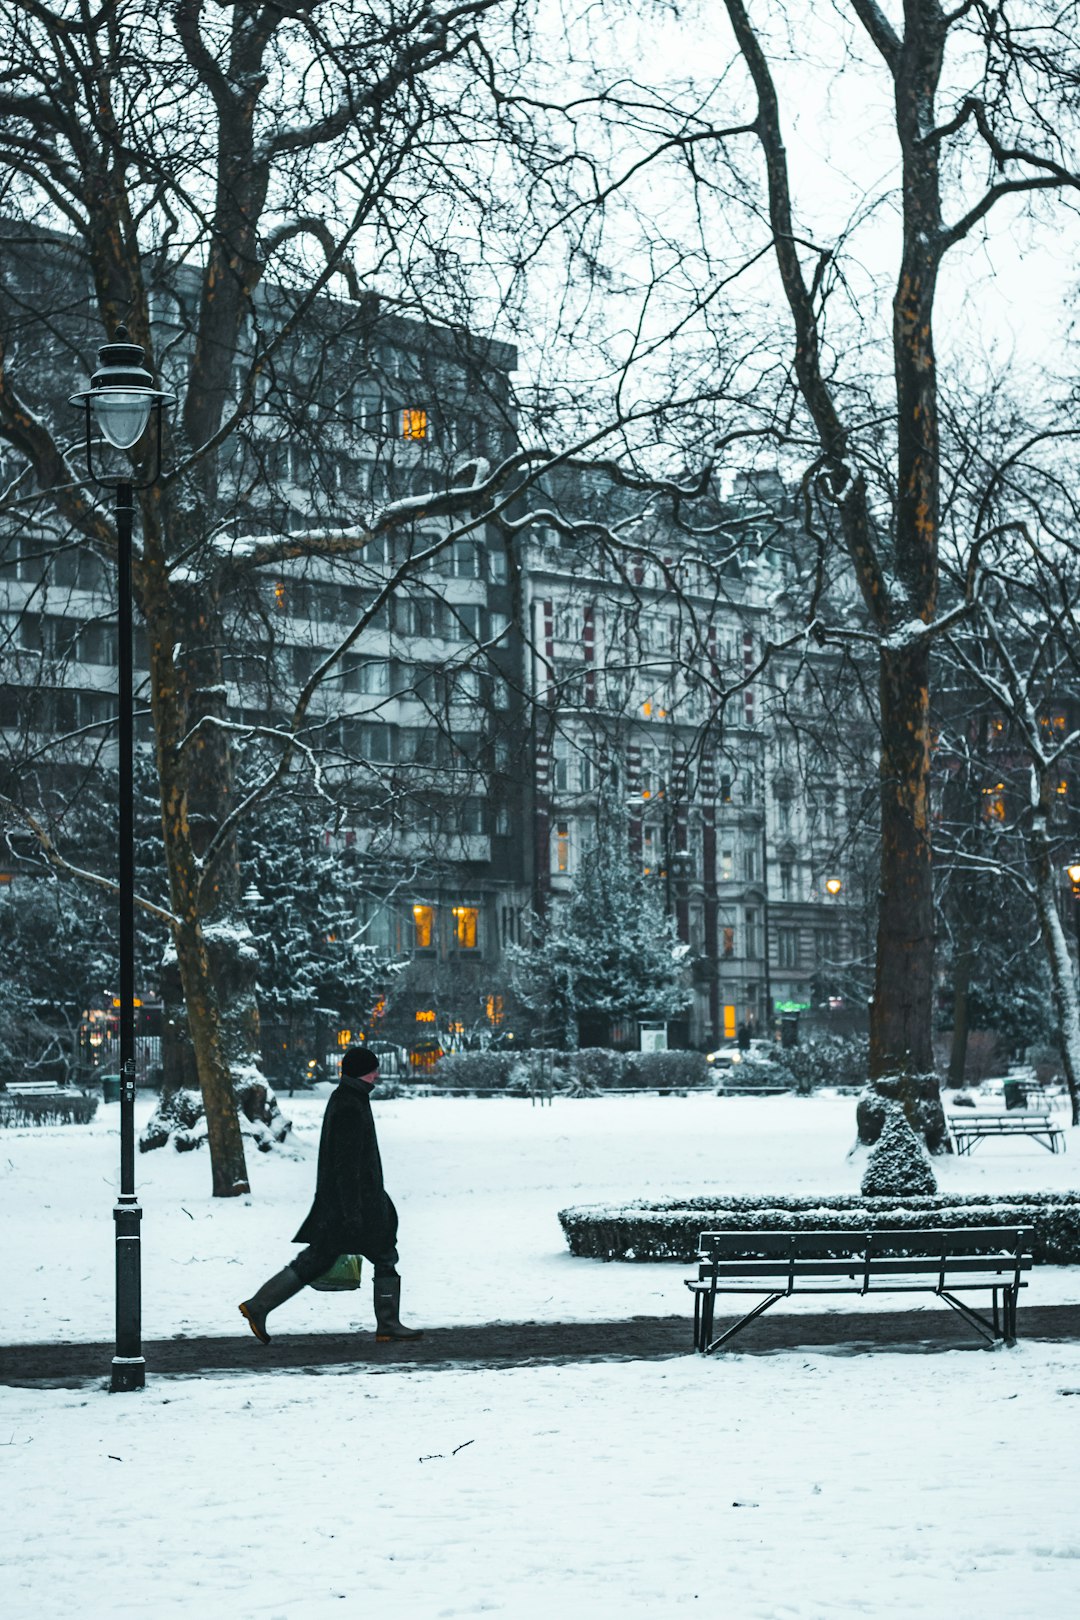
point(608, 953)
point(306, 907)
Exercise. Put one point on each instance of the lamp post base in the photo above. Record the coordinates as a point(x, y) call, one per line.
point(128, 1372)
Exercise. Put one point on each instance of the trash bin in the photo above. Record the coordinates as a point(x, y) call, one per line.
point(110, 1088)
point(1015, 1094)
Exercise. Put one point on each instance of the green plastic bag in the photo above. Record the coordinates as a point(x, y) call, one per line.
point(343, 1274)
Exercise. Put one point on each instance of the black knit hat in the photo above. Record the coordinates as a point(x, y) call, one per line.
point(357, 1062)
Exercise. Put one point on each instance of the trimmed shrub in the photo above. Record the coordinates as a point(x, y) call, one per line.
point(898, 1166)
point(834, 1060)
point(473, 1069)
point(655, 1231)
point(666, 1069)
point(598, 1068)
point(65, 1108)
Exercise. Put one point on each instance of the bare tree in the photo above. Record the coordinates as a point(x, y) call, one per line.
point(208, 174)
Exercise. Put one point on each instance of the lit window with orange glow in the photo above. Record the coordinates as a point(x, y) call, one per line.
point(466, 919)
point(994, 802)
point(562, 846)
point(426, 1015)
point(279, 595)
point(423, 927)
point(494, 1009)
point(413, 424)
point(344, 1037)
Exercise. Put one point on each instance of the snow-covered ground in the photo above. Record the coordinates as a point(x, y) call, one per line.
point(791, 1486)
point(478, 1184)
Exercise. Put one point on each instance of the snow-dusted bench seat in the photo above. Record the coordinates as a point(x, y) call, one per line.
point(969, 1129)
point(860, 1261)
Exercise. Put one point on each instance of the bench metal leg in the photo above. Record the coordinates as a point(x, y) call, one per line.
point(709, 1345)
point(989, 1330)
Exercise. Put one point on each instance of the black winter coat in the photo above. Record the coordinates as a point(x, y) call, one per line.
point(352, 1212)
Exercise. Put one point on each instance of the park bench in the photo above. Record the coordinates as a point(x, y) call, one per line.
point(968, 1129)
point(31, 1102)
point(34, 1088)
point(859, 1261)
point(731, 1087)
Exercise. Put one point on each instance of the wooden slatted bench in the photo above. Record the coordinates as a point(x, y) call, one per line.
point(938, 1261)
point(968, 1129)
point(36, 1088)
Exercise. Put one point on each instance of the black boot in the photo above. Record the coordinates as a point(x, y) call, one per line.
point(387, 1296)
point(270, 1296)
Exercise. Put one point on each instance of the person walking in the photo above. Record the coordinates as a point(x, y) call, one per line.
point(352, 1212)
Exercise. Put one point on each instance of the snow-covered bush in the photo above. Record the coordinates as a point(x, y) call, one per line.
point(834, 1060)
point(597, 1068)
point(665, 1069)
point(756, 1070)
point(898, 1167)
point(460, 1069)
point(645, 1230)
point(179, 1117)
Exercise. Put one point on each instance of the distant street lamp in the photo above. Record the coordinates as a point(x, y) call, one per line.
point(833, 886)
point(1072, 872)
point(120, 402)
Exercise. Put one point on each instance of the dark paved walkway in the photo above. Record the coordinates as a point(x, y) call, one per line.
point(515, 1344)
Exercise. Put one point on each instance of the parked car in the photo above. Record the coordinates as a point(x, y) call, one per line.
point(725, 1056)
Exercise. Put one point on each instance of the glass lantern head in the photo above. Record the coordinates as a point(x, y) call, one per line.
point(121, 393)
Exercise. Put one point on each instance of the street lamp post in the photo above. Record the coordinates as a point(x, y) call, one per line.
point(119, 402)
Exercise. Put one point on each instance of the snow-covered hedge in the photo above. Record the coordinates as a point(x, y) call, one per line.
point(655, 1231)
point(593, 1069)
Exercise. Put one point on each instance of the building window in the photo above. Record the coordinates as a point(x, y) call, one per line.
point(729, 1021)
point(787, 947)
point(751, 933)
point(725, 790)
point(561, 766)
point(727, 865)
point(562, 846)
point(371, 677)
point(466, 919)
point(465, 560)
point(423, 928)
point(994, 802)
point(787, 881)
point(502, 821)
point(493, 1007)
point(652, 855)
point(413, 424)
point(727, 939)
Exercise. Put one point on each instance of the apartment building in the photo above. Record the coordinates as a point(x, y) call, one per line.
point(463, 736)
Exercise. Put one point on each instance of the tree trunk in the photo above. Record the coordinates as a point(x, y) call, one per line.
point(170, 699)
point(1063, 982)
point(961, 986)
